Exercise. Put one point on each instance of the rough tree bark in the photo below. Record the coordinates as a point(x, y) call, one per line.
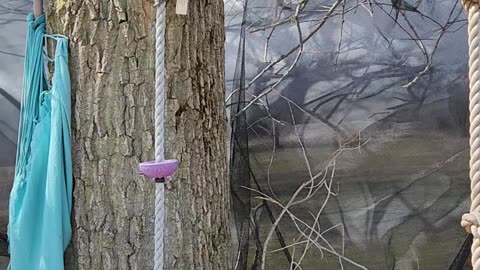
point(198, 199)
point(112, 74)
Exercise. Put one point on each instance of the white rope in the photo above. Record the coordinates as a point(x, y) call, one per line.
point(159, 131)
point(471, 220)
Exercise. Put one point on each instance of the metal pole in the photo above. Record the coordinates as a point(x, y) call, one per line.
point(37, 8)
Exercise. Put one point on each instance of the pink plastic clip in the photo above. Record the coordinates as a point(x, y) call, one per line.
point(158, 170)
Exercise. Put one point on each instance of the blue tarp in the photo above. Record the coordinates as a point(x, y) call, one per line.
point(41, 198)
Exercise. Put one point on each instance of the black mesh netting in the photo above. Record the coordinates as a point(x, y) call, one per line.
point(349, 123)
point(240, 171)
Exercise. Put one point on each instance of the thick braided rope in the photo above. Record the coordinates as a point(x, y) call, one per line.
point(159, 132)
point(471, 220)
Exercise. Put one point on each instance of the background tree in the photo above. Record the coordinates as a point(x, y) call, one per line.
point(112, 72)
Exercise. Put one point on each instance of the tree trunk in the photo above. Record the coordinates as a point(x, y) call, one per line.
point(112, 74)
point(198, 199)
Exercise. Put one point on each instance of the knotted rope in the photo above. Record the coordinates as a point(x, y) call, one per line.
point(159, 130)
point(471, 220)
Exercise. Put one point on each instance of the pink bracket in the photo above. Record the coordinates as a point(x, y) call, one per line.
point(158, 170)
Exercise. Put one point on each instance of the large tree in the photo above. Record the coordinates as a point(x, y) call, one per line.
point(112, 73)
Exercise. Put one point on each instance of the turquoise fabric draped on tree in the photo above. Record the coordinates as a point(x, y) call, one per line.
point(39, 227)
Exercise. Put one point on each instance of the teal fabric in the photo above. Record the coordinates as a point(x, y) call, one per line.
point(41, 198)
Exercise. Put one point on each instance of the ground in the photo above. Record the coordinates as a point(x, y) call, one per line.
point(400, 197)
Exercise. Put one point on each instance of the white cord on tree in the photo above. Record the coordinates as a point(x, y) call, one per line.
point(471, 220)
point(159, 130)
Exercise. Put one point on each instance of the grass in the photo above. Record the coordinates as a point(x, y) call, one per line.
point(400, 198)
